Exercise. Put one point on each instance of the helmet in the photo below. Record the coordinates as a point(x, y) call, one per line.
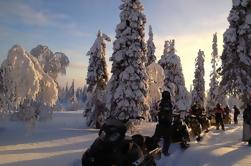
point(166, 95)
point(112, 130)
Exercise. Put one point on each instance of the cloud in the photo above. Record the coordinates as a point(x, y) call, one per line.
point(3, 31)
point(74, 30)
point(24, 13)
point(184, 17)
point(16, 12)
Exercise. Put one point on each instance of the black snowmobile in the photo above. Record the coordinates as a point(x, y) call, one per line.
point(205, 122)
point(114, 148)
point(179, 131)
point(193, 123)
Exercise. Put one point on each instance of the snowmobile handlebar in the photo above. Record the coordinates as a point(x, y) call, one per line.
point(118, 123)
point(126, 119)
point(136, 118)
point(133, 118)
point(146, 159)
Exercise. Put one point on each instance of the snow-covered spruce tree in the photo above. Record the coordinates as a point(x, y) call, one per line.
point(198, 93)
point(25, 82)
point(236, 56)
point(72, 97)
point(81, 97)
point(127, 89)
point(79, 93)
point(213, 94)
point(70, 103)
point(97, 70)
point(66, 93)
point(96, 81)
point(52, 63)
point(171, 64)
point(84, 93)
point(2, 98)
point(150, 48)
point(61, 94)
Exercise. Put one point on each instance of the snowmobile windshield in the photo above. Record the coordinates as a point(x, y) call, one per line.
point(111, 134)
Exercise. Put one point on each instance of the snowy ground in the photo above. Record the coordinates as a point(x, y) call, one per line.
point(63, 140)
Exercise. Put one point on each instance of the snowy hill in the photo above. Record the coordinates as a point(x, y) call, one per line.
point(62, 141)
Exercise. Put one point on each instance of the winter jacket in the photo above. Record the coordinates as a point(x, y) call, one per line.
point(247, 115)
point(227, 110)
point(165, 112)
point(196, 111)
point(218, 113)
point(236, 111)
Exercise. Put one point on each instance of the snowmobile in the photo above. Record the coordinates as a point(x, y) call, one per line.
point(227, 118)
point(179, 132)
point(196, 127)
point(205, 122)
point(212, 119)
point(113, 147)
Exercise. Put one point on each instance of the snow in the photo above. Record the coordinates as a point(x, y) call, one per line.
point(24, 77)
point(198, 93)
point(248, 19)
point(97, 77)
point(156, 82)
point(236, 2)
point(129, 77)
point(63, 140)
point(215, 94)
point(235, 57)
point(174, 79)
point(21, 65)
point(150, 48)
point(52, 63)
point(60, 141)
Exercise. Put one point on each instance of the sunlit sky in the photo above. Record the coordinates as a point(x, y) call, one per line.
point(70, 26)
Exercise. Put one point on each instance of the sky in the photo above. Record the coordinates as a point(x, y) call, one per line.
point(70, 26)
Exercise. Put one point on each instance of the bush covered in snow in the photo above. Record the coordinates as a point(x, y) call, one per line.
point(96, 81)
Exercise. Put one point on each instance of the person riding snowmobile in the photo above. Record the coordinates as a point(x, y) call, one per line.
point(110, 148)
point(180, 132)
point(113, 147)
